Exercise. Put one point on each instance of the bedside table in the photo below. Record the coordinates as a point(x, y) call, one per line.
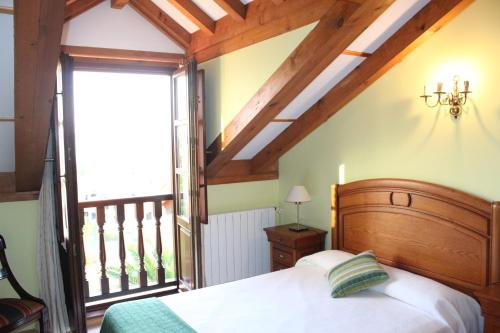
point(489, 298)
point(289, 246)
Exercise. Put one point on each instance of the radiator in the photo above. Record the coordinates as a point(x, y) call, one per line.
point(235, 246)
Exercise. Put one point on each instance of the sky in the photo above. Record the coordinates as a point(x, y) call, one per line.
point(123, 134)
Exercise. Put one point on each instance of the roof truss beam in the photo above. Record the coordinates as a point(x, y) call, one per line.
point(430, 19)
point(77, 7)
point(241, 171)
point(163, 22)
point(119, 4)
point(195, 15)
point(234, 8)
point(336, 30)
point(173, 60)
point(38, 25)
point(263, 20)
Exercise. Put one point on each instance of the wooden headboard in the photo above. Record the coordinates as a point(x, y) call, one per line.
point(428, 229)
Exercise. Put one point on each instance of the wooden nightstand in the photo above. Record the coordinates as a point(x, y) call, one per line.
point(288, 246)
point(489, 298)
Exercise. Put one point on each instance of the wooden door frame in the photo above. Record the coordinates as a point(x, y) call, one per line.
point(191, 74)
point(72, 244)
point(73, 249)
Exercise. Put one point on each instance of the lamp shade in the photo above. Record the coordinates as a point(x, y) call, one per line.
point(298, 193)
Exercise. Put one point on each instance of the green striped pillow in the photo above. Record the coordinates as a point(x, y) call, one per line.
point(356, 274)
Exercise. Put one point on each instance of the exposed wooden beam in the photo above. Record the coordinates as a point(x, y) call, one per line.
point(282, 120)
point(75, 8)
point(119, 4)
point(122, 66)
point(336, 30)
point(430, 19)
point(19, 196)
point(278, 2)
point(240, 171)
point(6, 10)
point(356, 53)
point(7, 182)
point(163, 22)
point(263, 20)
point(195, 14)
point(38, 26)
point(132, 56)
point(234, 8)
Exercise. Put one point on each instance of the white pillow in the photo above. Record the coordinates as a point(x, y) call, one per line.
point(459, 311)
point(325, 259)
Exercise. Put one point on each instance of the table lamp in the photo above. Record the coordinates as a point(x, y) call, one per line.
point(298, 194)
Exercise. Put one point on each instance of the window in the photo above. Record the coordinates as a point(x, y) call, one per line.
point(123, 134)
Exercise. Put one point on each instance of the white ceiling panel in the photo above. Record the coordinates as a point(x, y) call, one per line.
point(103, 26)
point(268, 134)
point(7, 66)
point(175, 14)
point(211, 8)
point(7, 157)
point(386, 25)
point(7, 3)
point(332, 75)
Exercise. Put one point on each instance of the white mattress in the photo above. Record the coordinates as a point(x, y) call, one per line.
point(296, 300)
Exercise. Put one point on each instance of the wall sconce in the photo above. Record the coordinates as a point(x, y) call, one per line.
point(454, 99)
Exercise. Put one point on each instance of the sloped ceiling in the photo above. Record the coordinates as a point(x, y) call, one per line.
point(103, 26)
point(209, 28)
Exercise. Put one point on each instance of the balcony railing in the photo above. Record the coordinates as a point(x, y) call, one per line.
point(128, 246)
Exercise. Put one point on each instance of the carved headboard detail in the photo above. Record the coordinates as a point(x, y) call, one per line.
point(428, 229)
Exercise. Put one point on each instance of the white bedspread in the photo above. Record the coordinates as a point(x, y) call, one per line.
point(296, 300)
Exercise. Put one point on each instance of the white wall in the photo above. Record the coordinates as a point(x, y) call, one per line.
point(103, 26)
point(7, 158)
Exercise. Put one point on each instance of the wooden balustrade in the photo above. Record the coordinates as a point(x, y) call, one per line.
point(100, 208)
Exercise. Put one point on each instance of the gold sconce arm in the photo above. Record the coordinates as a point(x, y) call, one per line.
point(455, 99)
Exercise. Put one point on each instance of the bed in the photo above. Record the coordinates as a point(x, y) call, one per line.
point(438, 245)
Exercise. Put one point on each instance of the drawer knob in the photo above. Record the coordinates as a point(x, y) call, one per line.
point(281, 256)
point(279, 240)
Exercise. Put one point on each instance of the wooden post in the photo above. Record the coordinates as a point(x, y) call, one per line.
point(102, 250)
point(120, 217)
point(84, 258)
point(143, 277)
point(160, 269)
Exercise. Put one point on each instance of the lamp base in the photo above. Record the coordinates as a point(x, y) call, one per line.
point(298, 227)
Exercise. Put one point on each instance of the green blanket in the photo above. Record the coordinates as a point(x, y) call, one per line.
point(148, 315)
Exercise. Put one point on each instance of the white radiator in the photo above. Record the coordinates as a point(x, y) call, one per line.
point(235, 245)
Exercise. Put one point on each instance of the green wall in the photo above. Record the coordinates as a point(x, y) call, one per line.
point(242, 196)
point(18, 225)
point(388, 131)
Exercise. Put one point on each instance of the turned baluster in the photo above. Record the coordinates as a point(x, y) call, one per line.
point(159, 269)
point(120, 217)
point(143, 277)
point(102, 250)
point(81, 215)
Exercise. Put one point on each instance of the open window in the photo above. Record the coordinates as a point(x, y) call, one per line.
point(131, 180)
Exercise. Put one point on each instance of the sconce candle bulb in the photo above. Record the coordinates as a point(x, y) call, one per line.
point(455, 99)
